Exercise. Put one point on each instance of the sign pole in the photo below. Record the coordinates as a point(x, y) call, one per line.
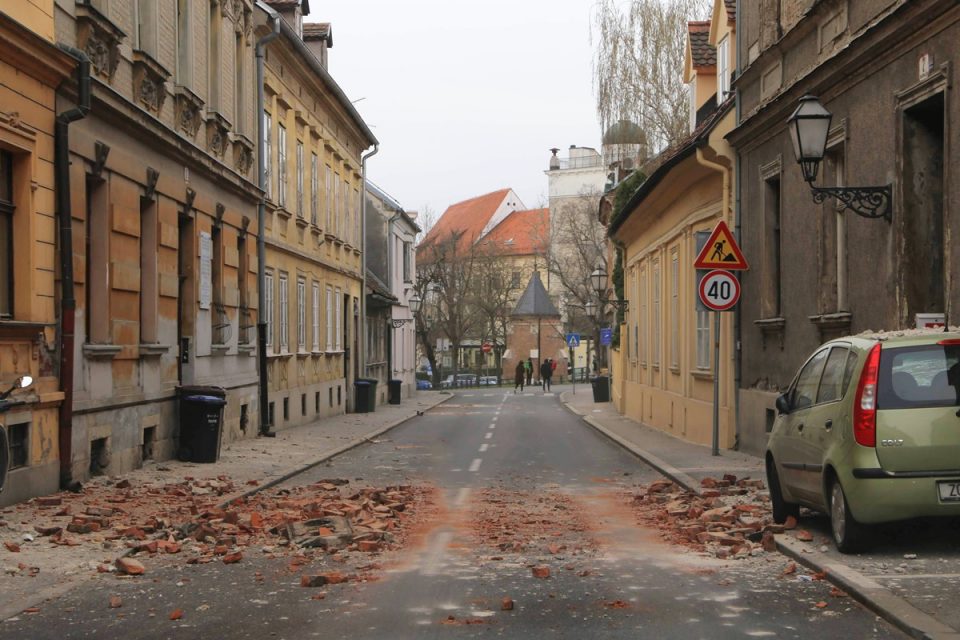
point(716, 383)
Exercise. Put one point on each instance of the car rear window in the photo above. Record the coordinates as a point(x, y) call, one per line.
point(919, 376)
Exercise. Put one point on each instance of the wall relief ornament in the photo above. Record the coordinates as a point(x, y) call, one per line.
point(149, 81)
point(218, 130)
point(100, 39)
point(242, 154)
point(188, 111)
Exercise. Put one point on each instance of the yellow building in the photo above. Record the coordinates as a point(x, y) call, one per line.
point(663, 370)
point(313, 268)
point(31, 68)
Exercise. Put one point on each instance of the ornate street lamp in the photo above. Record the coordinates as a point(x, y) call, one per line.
point(809, 126)
point(414, 304)
point(591, 309)
point(599, 280)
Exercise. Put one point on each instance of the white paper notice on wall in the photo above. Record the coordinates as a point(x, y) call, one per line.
point(206, 269)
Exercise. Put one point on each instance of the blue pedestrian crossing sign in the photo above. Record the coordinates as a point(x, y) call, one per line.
point(573, 340)
point(606, 337)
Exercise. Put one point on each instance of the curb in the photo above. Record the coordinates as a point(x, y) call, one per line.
point(869, 593)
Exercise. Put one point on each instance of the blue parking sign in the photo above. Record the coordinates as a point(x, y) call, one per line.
point(573, 340)
point(606, 337)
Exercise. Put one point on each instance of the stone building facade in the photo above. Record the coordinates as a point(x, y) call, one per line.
point(163, 197)
point(313, 274)
point(31, 69)
point(885, 69)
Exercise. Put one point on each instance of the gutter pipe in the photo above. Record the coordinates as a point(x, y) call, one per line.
point(264, 395)
point(68, 301)
point(737, 311)
point(363, 264)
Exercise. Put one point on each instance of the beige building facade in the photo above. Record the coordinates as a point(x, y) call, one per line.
point(313, 270)
point(163, 199)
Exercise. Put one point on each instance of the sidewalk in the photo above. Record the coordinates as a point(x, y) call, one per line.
point(39, 570)
point(686, 464)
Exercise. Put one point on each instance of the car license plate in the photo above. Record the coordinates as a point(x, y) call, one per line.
point(949, 490)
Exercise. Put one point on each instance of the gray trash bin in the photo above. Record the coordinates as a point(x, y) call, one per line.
point(201, 423)
point(601, 389)
point(365, 400)
point(394, 389)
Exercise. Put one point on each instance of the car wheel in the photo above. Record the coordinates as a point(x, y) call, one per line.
point(781, 508)
point(847, 532)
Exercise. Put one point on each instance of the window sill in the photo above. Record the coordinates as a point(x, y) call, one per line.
point(219, 349)
point(316, 354)
point(702, 374)
point(334, 352)
point(315, 230)
point(329, 237)
point(283, 213)
point(20, 330)
point(248, 349)
point(771, 327)
point(152, 350)
point(101, 351)
point(836, 320)
point(675, 369)
point(302, 222)
point(303, 354)
point(280, 355)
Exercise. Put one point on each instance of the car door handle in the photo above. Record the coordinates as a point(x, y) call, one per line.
point(800, 427)
point(828, 423)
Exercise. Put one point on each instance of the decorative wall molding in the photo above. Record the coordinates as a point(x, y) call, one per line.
point(149, 81)
point(188, 111)
point(218, 130)
point(100, 39)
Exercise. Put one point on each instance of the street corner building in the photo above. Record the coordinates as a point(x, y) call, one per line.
point(31, 69)
point(660, 216)
point(313, 273)
point(885, 70)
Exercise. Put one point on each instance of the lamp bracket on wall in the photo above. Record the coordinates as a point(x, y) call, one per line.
point(868, 202)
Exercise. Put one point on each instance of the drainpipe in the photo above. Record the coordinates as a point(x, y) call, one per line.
point(737, 313)
point(265, 426)
point(363, 263)
point(68, 301)
point(725, 170)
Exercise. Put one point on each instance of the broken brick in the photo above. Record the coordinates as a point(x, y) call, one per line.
point(233, 558)
point(804, 536)
point(540, 571)
point(130, 566)
point(506, 604)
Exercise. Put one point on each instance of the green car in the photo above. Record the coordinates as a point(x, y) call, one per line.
point(869, 432)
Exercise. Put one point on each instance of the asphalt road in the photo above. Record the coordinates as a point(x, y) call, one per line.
point(520, 482)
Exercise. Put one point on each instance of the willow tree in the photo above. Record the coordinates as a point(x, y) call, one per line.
point(638, 65)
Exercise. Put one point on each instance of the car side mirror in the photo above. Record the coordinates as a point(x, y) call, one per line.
point(783, 403)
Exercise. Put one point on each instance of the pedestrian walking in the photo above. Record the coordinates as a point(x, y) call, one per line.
point(545, 372)
point(518, 376)
point(529, 367)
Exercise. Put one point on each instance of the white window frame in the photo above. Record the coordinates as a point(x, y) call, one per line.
point(268, 148)
point(358, 212)
point(655, 342)
point(675, 310)
point(314, 187)
point(281, 165)
point(703, 340)
point(336, 205)
point(299, 178)
point(723, 69)
point(301, 315)
point(329, 318)
point(284, 328)
point(641, 321)
point(316, 316)
point(329, 198)
point(268, 311)
point(339, 318)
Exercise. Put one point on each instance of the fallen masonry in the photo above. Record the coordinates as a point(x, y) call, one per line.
point(730, 518)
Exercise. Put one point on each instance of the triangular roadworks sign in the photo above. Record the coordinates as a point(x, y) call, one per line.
point(721, 251)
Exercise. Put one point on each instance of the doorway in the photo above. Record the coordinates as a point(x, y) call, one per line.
point(186, 318)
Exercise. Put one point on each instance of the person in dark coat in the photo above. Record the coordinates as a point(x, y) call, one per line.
point(529, 368)
point(519, 374)
point(545, 373)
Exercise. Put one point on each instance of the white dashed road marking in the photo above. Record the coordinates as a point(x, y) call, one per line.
point(475, 465)
point(488, 436)
point(484, 447)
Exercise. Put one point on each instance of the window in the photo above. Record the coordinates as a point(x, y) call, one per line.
point(301, 315)
point(407, 255)
point(357, 216)
point(314, 187)
point(641, 321)
point(284, 314)
point(316, 316)
point(635, 277)
point(239, 88)
point(515, 279)
point(98, 263)
point(329, 318)
point(268, 311)
point(338, 318)
point(184, 62)
point(675, 311)
point(336, 204)
point(831, 386)
point(213, 56)
point(329, 183)
point(299, 178)
point(145, 33)
point(6, 234)
point(148, 271)
point(804, 393)
point(18, 444)
point(723, 69)
point(268, 148)
point(243, 267)
point(772, 298)
point(703, 339)
point(655, 343)
point(281, 165)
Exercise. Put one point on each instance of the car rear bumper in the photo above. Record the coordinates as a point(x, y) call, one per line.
point(876, 496)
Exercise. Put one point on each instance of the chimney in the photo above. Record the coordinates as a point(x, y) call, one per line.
point(318, 36)
point(554, 160)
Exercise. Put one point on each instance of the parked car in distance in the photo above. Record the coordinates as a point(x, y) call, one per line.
point(463, 380)
point(424, 385)
point(869, 432)
point(488, 381)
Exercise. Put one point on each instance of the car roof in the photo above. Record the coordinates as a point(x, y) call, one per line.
point(901, 337)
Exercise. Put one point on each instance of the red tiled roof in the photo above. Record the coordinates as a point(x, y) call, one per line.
point(702, 54)
point(468, 218)
point(519, 234)
point(731, 6)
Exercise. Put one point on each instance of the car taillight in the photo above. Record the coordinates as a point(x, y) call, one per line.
point(865, 402)
point(950, 342)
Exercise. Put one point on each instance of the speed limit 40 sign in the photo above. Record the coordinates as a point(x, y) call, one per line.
point(719, 290)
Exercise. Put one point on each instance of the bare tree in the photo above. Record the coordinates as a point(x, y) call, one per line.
point(638, 69)
point(493, 295)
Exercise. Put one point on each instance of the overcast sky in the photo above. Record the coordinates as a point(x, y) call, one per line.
point(465, 97)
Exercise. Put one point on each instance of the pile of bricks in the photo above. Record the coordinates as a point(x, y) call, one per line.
point(730, 518)
point(189, 518)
